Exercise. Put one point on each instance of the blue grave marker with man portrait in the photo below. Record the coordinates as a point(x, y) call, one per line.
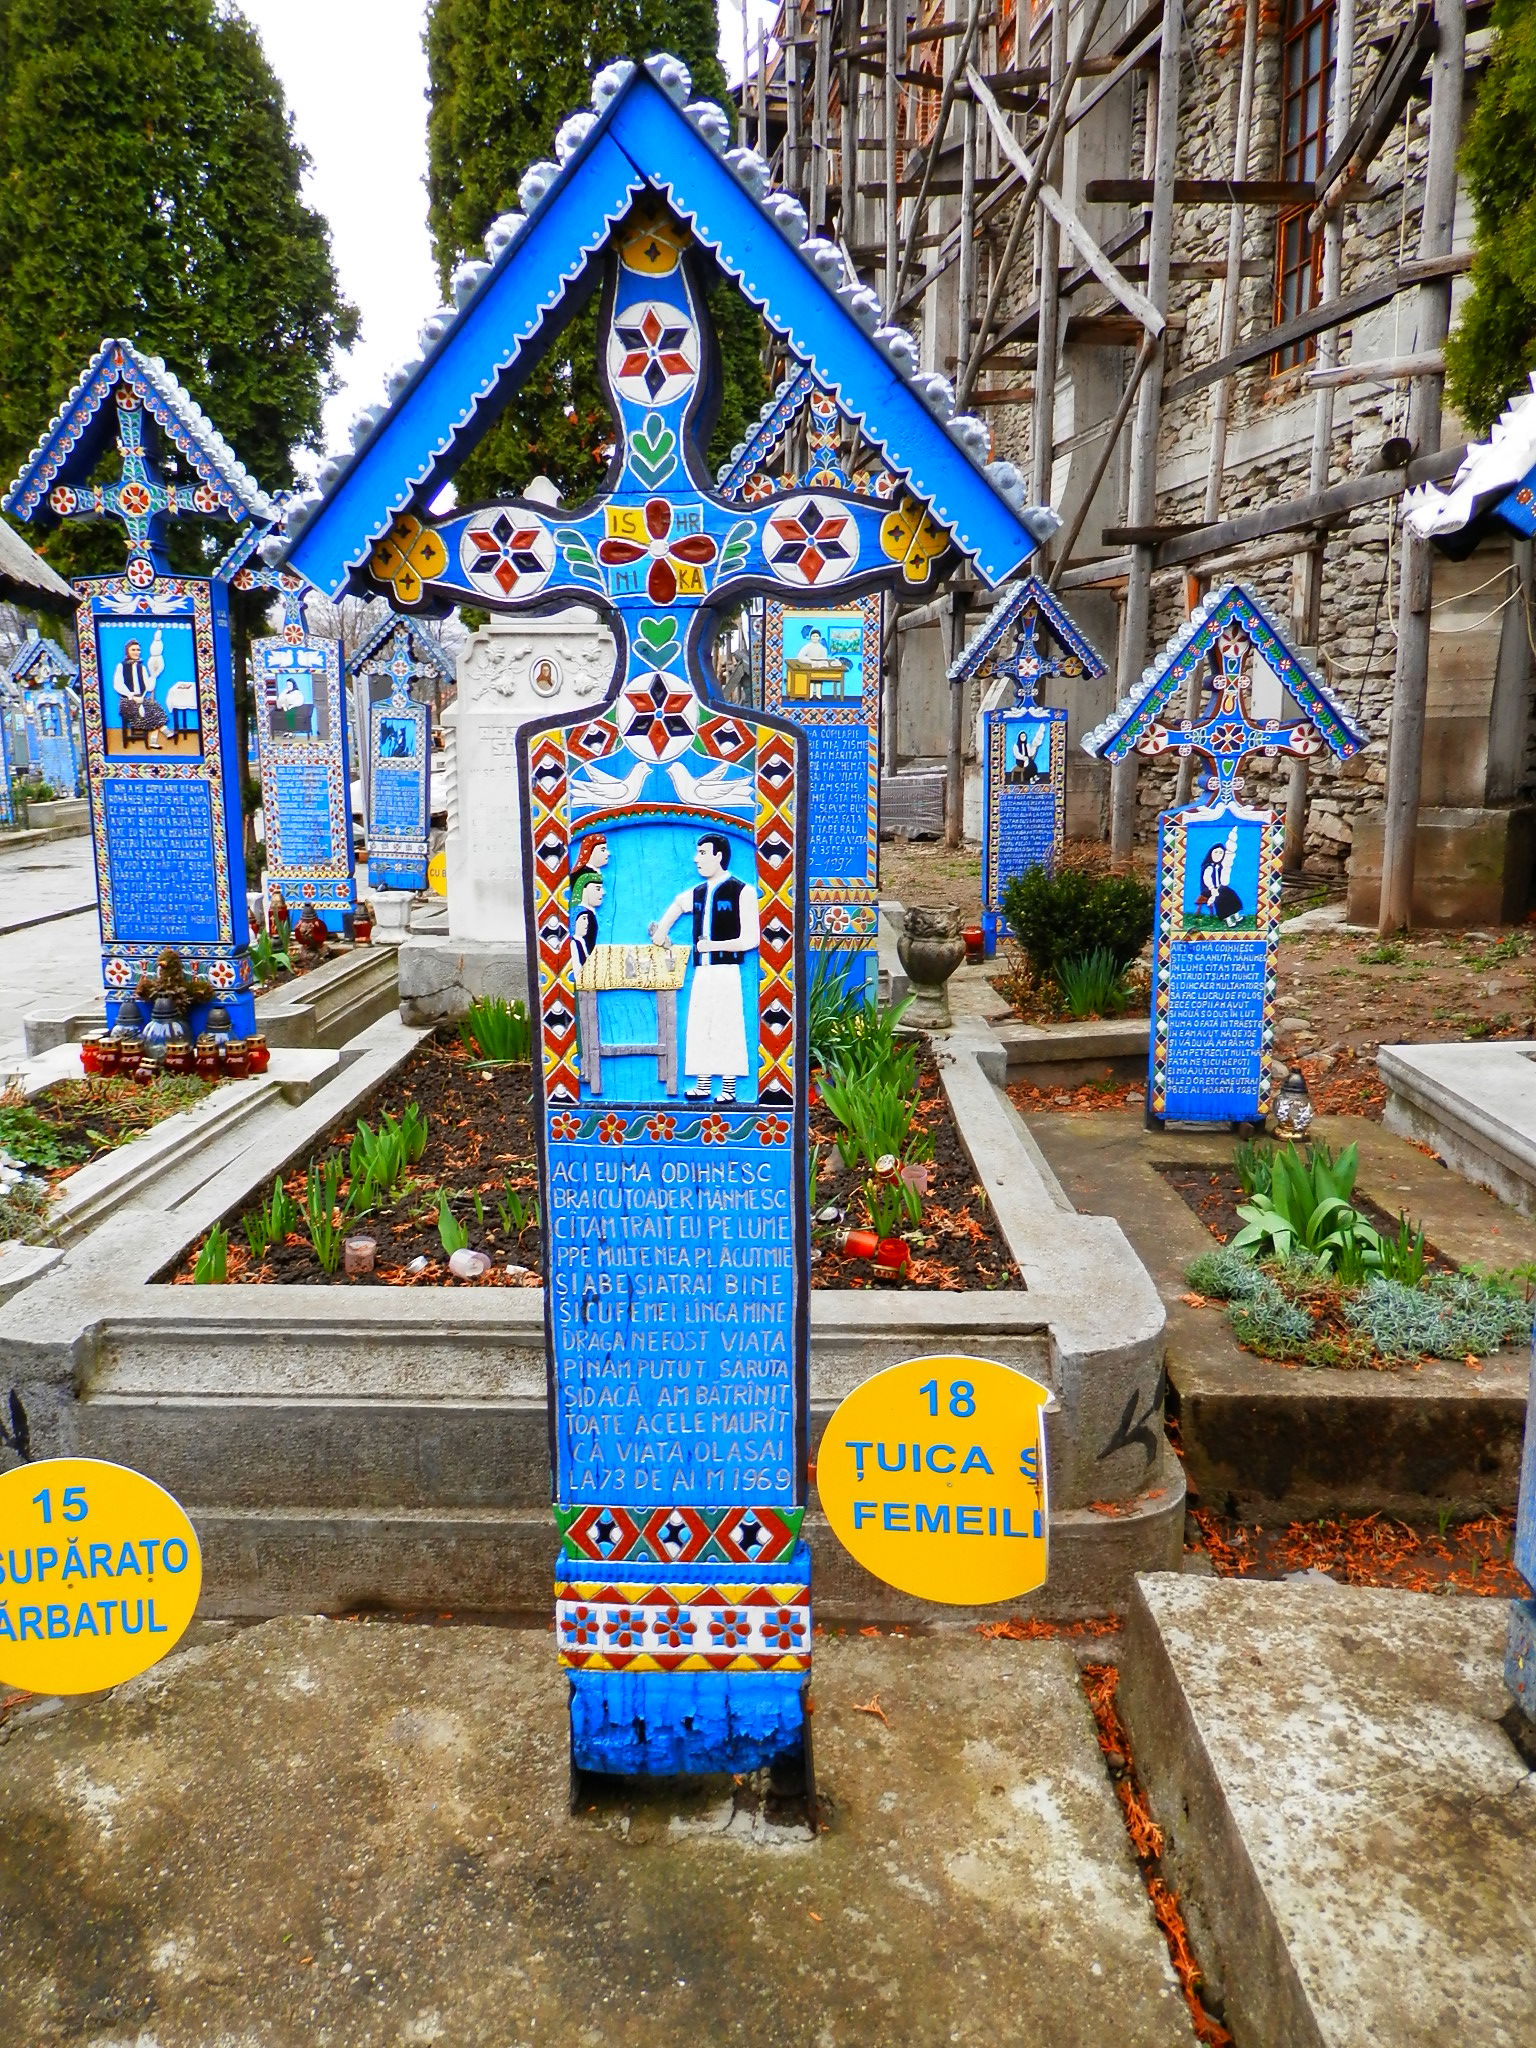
point(1219, 858)
point(307, 816)
point(397, 659)
point(664, 836)
point(46, 682)
point(156, 675)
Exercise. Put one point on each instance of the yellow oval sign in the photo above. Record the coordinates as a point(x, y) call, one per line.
point(100, 1572)
point(437, 873)
point(932, 1475)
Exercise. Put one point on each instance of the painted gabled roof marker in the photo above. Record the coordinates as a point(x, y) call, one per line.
point(641, 133)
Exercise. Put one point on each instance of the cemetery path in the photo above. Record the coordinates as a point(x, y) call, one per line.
point(357, 1833)
point(50, 946)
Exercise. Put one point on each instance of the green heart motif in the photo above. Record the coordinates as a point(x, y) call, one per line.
point(653, 451)
point(659, 639)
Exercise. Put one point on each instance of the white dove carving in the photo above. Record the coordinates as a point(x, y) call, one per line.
point(594, 787)
point(718, 789)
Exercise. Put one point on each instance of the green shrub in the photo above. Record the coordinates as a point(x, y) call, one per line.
point(497, 1031)
point(1269, 1324)
point(31, 1140)
point(1225, 1275)
point(212, 1268)
point(1093, 986)
point(1453, 1315)
point(1064, 911)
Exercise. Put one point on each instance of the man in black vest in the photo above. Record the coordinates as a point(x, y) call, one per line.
point(724, 913)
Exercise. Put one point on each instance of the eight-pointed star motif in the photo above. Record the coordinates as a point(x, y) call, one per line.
point(811, 540)
point(661, 715)
point(507, 554)
point(652, 353)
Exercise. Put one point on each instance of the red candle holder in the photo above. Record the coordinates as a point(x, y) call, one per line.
point(975, 945)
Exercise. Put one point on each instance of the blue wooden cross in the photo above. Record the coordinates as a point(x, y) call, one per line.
point(139, 500)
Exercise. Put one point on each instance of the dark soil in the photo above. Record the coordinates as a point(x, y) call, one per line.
point(956, 1246)
point(480, 1141)
point(1213, 1191)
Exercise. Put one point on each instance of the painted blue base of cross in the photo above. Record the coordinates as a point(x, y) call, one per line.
point(666, 1724)
point(993, 926)
point(1520, 1656)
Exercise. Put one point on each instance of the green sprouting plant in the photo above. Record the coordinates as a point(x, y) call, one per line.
point(829, 1000)
point(1308, 1209)
point(515, 1213)
point(1515, 1281)
point(383, 1156)
point(31, 1140)
point(1388, 954)
point(1093, 984)
point(893, 1206)
point(1224, 1275)
point(813, 1177)
point(1254, 1166)
point(212, 1268)
point(1065, 910)
point(271, 1223)
point(268, 960)
point(1453, 1315)
point(1400, 1257)
point(322, 1185)
point(859, 1042)
point(479, 1206)
point(362, 1196)
point(497, 1031)
point(876, 1118)
point(451, 1234)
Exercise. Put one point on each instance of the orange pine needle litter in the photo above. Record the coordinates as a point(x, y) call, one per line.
point(1099, 1684)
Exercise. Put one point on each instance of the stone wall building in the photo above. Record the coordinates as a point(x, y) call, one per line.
point(1318, 70)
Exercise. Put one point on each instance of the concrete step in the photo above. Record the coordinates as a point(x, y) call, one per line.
point(331, 1004)
point(1348, 1827)
point(310, 1559)
point(364, 1454)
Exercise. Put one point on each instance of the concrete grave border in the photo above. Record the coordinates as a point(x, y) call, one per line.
point(1475, 1105)
point(347, 1446)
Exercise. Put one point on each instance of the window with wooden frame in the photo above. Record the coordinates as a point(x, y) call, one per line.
point(1306, 82)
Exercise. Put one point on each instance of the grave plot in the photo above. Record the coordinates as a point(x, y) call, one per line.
point(463, 1177)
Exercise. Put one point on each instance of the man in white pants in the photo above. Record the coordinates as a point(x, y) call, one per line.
point(724, 913)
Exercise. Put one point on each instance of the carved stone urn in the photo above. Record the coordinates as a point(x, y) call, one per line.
point(930, 948)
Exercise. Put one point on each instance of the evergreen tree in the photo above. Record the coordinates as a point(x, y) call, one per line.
point(503, 77)
point(149, 187)
point(1493, 349)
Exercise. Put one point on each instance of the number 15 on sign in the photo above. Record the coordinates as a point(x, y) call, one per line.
point(933, 1476)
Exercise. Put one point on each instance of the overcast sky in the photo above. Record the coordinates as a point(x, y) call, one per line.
point(356, 79)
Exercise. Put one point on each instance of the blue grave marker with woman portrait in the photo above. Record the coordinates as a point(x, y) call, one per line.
point(1219, 858)
point(307, 816)
point(46, 681)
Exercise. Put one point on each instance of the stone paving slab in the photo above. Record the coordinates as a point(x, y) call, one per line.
point(1349, 1827)
point(319, 1834)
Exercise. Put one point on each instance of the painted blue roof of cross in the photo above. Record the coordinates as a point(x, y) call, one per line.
point(55, 481)
point(39, 662)
point(1220, 642)
point(1027, 610)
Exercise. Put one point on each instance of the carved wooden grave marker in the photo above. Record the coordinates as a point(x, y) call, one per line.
point(45, 681)
point(1023, 742)
point(1218, 860)
point(823, 669)
point(155, 675)
point(663, 831)
point(395, 744)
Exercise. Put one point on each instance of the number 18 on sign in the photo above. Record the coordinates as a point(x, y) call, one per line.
point(932, 1475)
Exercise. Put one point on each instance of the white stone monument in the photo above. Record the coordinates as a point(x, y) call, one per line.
point(512, 671)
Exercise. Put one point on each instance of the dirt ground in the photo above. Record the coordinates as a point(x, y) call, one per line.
point(1342, 994)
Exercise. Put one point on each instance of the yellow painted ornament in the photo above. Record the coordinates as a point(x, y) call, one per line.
point(932, 1475)
point(100, 1573)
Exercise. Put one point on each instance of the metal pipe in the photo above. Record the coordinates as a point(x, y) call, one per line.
point(895, 40)
point(1410, 682)
point(1141, 501)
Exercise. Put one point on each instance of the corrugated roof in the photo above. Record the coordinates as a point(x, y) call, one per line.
point(26, 579)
